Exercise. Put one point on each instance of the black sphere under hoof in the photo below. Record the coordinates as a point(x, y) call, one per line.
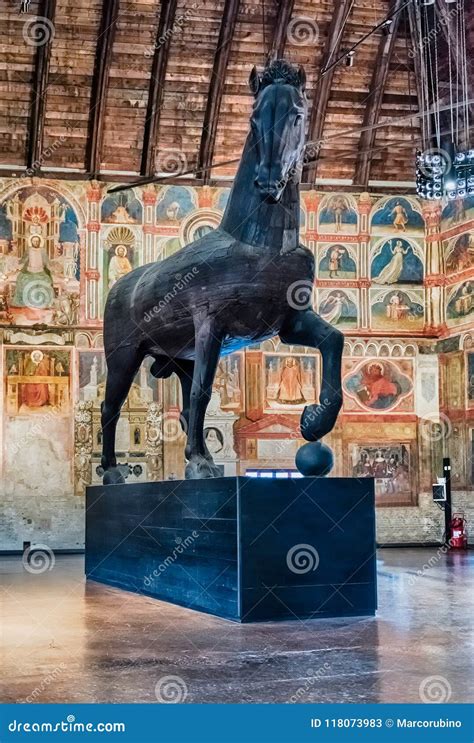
point(113, 476)
point(314, 459)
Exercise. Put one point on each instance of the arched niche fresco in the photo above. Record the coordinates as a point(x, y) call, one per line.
point(302, 218)
point(120, 254)
point(122, 208)
point(168, 246)
point(221, 199)
point(459, 253)
point(337, 261)
point(338, 214)
point(198, 224)
point(457, 211)
point(339, 307)
point(40, 256)
point(175, 203)
point(460, 303)
point(397, 309)
point(397, 214)
point(377, 385)
point(396, 261)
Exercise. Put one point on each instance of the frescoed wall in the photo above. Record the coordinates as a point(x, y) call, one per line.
point(395, 275)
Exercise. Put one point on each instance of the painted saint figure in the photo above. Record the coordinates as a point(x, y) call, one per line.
point(339, 206)
point(35, 394)
point(335, 257)
point(400, 218)
point(119, 265)
point(34, 283)
point(333, 308)
point(393, 270)
point(290, 391)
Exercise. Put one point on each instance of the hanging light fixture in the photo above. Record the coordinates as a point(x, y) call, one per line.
point(445, 166)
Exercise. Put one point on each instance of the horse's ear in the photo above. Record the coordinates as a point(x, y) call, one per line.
point(301, 77)
point(254, 81)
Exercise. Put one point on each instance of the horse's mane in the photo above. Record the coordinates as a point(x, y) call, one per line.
point(280, 71)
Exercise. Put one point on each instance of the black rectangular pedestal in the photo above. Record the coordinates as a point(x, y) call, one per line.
point(242, 548)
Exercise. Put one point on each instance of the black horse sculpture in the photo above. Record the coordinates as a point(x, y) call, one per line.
point(246, 281)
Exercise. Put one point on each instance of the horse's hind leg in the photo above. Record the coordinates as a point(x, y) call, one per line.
point(122, 365)
point(207, 349)
point(185, 370)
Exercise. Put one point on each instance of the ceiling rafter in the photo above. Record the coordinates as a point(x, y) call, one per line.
point(157, 84)
point(103, 58)
point(280, 33)
point(375, 96)
point(216, 89)
point(322, 90)
point(46, 14)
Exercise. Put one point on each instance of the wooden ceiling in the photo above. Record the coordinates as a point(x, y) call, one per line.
point(123, 88)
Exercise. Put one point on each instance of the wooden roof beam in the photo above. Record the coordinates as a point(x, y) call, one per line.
point(216, 89)
point(280, 33)
point(374, 99)
point(323, 85)
point(100, 80)
point(157, 84)
point(46, 15)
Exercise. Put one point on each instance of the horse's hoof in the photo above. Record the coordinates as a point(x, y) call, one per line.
point(200, 468)
point(113, 476)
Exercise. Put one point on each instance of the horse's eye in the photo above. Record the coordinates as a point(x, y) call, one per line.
point(298, 119)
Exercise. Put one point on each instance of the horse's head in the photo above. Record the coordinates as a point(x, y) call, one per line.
point(278, 125)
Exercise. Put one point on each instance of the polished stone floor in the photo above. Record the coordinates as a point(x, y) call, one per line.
point(68, 641)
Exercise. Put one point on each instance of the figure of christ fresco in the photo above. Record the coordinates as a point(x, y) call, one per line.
point(393, 270)
point(290, 391)
point(34, 283)
point(35, 394)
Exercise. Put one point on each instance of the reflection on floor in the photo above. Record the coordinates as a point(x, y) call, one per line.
point(71, 642)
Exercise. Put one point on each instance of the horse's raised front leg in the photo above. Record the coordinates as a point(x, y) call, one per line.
point(122, 365)
point(306, 328)
point(207, 349)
